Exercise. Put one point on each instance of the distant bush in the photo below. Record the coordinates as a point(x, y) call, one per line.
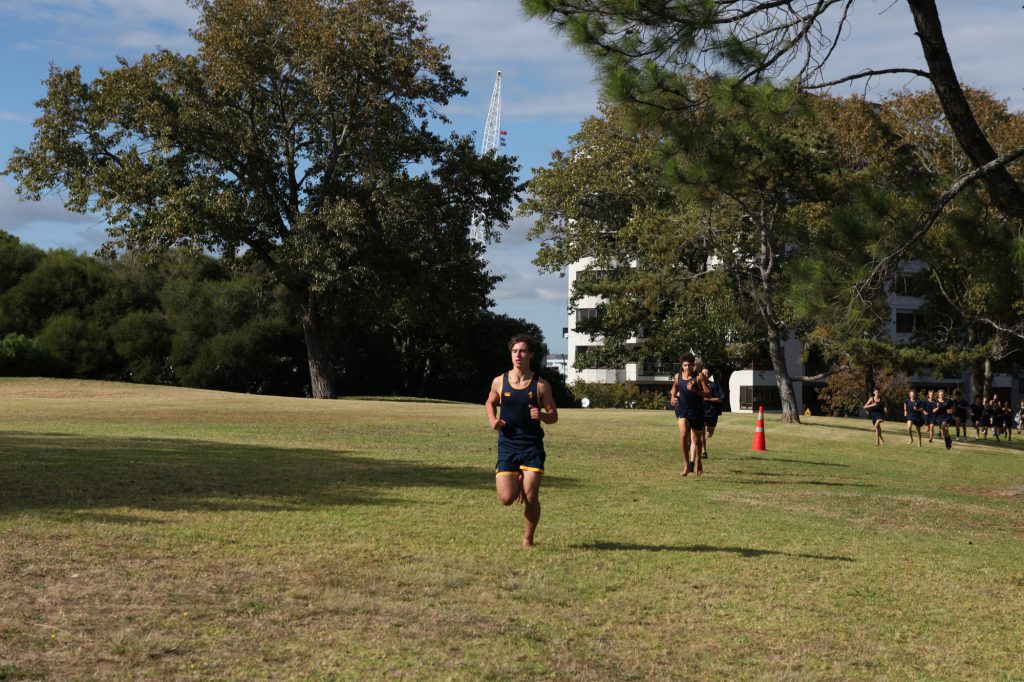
point(18, 356)
point(844, 393)
point(626, 395)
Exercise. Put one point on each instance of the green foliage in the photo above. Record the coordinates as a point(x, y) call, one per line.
point(608, 200)
point(75, 347)
point(142, 339)
point(607, 395)
point(18, 356)
point(61, 282)
point(189, 319)
point(299, 134)
point(845, 393)
point(16, 260)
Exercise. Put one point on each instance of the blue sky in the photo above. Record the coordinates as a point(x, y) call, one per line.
point(547, 89)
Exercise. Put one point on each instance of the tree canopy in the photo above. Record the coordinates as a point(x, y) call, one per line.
point(670, 61)
point(300, 135)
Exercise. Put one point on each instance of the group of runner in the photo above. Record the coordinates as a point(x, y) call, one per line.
point(938, 409)
point(697, 400)
point(520, 401)
point(526, 402)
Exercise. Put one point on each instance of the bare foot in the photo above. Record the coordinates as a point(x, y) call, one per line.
point(528, 542)
point(684, 472)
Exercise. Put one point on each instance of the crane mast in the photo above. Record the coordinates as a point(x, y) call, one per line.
point(493, 138)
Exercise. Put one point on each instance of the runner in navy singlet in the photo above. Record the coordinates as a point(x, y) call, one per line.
point(942, 414)
point(977, 411)
point(875, 408)
point(525, 402)
point(712, 410)
point(929, 416)
point(913, 412)
point(688, 391)
point(960, 406)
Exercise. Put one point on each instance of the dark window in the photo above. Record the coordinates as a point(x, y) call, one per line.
point(752, 397)
point(907, 323)
point(911, 284)
point(585, 314)
point(815, 362)
point(580, 350)
point(590, 278)
point(664, 368)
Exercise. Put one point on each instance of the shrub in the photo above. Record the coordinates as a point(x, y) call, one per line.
point(607, 395)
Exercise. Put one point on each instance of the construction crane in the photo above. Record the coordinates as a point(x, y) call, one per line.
point(493, 139)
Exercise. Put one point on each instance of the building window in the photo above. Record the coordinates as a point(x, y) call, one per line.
point(585, 314)
point(590, 278)
point(907, 323)
point(580, 350)
point(752, 397)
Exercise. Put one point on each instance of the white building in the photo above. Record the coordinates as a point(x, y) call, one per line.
point(755, 385)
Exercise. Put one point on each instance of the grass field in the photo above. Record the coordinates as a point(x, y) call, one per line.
point(162, 533)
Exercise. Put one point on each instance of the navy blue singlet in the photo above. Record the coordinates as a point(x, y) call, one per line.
point(913, 413)
point(691, 405)
point(520, 432)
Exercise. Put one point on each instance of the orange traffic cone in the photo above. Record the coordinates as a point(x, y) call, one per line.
point(759, 431)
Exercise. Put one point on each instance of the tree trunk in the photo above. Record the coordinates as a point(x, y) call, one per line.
point(986, 386)
point(787, 395)
point(321, 374)
point(776, 329)
point(1003, 189)
point(977, 378)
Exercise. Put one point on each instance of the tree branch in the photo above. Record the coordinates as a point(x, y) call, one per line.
point(1018, 331)
point(823, 375)
point(885, 267)
point(867, 73)
point(1006, 193)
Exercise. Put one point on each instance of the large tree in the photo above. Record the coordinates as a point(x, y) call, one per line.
point(692, 244)
point(974, 280)
point(656, 54)
point(293, 136)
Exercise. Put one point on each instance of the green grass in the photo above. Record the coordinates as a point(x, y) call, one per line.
point(159, 533)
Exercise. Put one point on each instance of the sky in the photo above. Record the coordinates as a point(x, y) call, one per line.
point(547, 90)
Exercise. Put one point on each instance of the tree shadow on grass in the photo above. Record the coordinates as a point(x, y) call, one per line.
point(794, 461)
point(89, 475)
point(865, 425)
point(757, 481)
point(702, 549)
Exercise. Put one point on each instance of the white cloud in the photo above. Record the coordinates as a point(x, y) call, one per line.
point(89, 28)
point(15, 213)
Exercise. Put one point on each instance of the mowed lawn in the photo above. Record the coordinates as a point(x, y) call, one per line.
point(163, 533)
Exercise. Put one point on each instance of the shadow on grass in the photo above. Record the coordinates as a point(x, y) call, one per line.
point(794, 461)
point(703, 549)
point(92, 475)
point(758, 481)
point(865, 425)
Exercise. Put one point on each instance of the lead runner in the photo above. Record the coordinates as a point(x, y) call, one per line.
point(525, 402)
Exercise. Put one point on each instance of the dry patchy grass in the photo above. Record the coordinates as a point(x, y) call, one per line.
point(158, 533)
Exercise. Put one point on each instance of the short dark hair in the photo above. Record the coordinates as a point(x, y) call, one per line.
point(686, 357)
point(531, 343)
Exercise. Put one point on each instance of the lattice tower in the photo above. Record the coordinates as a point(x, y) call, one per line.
point(493, 138)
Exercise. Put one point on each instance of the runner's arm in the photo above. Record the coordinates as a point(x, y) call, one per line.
point(493, 400)
point(549, 415)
